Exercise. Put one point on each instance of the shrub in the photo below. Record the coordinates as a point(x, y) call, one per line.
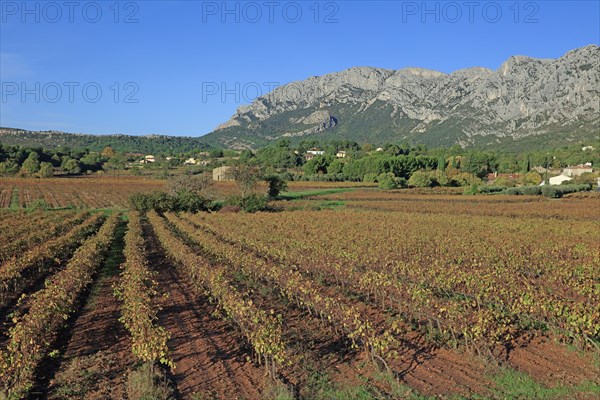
point(192, 202)
point(251, 203)
point(559, 191)
point(513, 191)
point(464, 179)
point(532, 178)
point(490, 189)
point(532, 190)
point(387, 181)
point(230, 209)
point(420, 179)
point(163, 202)
point(550, 191)
point(472, 189)
point(504, 182)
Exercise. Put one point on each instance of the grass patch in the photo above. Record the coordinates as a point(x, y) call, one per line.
point(332, 204)
point(148, 383)
point(518, 385)
point(308, 193)
point(81, 376)
point(399, 390)
point(319, 386)
point(111, 265)
point(278, 392)
point(14, 200)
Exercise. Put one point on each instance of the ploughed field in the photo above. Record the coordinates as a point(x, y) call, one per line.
point(356, 294)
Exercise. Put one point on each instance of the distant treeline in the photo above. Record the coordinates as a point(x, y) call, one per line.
point(364, 161)
point(313, 160)
point(152, 144)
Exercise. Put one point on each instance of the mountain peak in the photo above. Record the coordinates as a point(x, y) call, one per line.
point(524, 97)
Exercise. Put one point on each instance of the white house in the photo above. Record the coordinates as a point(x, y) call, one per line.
point(557, 180)
point(340, 154)
point(584, 148)
point(149, 158)
point(315, 151)
point(578, 170)
point(190, 161)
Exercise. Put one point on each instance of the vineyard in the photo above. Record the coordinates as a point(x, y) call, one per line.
point(356, 294)
point(101, 192)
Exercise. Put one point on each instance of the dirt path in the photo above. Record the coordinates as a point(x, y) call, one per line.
point(552, 363)
point(96, 350)
point(210, 358)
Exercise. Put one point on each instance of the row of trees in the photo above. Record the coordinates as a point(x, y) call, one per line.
point(42, 163)
point(283, 155)
point(361, 162)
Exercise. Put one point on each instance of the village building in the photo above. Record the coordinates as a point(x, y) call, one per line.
point(309, 156)
point(221, 174)
point(340, 154)
point(190, 161)
point(557, 180)
point(578, 170)
point(315, 151)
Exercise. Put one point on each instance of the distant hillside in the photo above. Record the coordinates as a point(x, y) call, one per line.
point(150, 144)
point(527, 102)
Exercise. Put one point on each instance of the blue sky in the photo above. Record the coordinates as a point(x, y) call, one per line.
point(183, 67)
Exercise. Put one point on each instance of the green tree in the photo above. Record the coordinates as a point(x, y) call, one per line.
point(388, 181)
point(70, 166)
point(246, 155)
point(46, 170)
point(464, 179)
point(276, 185)
point(438, 177)
point(441, 163)
point(215, 153)
point(420, 179)
point(9, 167)
point(504, 182)
point(336, 167)
point(317, 165)
point(32, 164)
point(92, 161)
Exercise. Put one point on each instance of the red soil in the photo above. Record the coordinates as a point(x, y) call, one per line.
point(210, 358)
point(97, 333)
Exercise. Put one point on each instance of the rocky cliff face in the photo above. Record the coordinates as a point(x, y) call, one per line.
point(524, 98)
